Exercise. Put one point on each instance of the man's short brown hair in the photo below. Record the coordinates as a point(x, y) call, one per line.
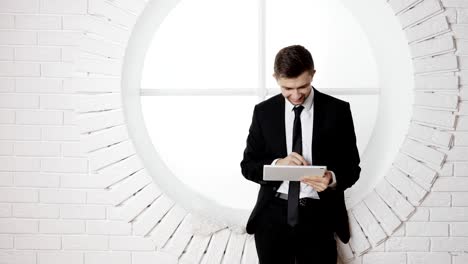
point(292, 61)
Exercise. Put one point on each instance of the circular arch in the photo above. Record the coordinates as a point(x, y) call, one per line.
point(377, 207)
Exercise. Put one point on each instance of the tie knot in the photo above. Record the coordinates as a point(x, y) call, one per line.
point(298, 110)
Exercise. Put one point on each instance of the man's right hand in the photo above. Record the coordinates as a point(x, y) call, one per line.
point(293, 159)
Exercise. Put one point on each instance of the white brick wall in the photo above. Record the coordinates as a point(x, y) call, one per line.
point(62, 226)
point(427, 229)
point(459, 229)
point(85, 242)
point(18, 226)
point(439, 244)
point(6, 241)
point(37, 54)
point(35, 179)
point(40, 211)
point(18, 257)
point(460, 199)
point(38, 22)
point(18, 38)
point(58, 38)
point(53, 205)
point(38, 242)
point(85, 212)
point(56, 257)
point(428, 258)
point(7, 21)
point(384, 257)
point(20, 6)
point(39, 117)
point(108, 257)
point(407, 243)
point(19, 68)
point(7, 53)
point(63, 6)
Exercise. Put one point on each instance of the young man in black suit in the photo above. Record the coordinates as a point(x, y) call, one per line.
point(295, 222)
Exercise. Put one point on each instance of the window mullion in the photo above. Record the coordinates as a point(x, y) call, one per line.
point(197, 92)
point(340, 91)
point(249, 92)
point(261, 88)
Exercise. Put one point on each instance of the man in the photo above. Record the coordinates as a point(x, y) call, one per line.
point(295, 222)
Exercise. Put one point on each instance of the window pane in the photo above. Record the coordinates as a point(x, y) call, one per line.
point(205, 44)
point(340, 49)
point(202, 140)
point(364, 110)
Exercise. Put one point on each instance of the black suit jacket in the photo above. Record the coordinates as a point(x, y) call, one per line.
point(333, 145)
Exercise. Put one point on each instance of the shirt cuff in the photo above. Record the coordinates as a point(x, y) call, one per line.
point(274, 162)
point(333, 182)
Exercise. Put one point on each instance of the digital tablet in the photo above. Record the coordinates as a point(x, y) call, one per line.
point(291, 173)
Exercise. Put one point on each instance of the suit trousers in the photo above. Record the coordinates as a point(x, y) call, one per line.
point(311, 241)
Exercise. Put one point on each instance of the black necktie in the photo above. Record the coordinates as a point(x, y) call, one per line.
point(294, 186)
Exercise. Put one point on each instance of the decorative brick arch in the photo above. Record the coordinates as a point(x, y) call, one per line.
point(158, 214)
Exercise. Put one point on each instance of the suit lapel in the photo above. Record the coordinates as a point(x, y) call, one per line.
point(279, 130)
point(319, 116)
point(280, 127)
point(319, 119)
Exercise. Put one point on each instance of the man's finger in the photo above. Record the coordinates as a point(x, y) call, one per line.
point(296, 161)
point(299, 157)
point(313, 178)
point(319, 186)
point(311, 182)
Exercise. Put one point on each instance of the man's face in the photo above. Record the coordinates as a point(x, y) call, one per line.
point(296, 89)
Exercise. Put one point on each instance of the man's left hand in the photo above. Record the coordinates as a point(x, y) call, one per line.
point(319, 183)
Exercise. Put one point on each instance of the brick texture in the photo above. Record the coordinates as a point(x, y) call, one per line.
point(55, 198)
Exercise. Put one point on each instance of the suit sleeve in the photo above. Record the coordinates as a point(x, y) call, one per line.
point(255, 155)
point(348, 171)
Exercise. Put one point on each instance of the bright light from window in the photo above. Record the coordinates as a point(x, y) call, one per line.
point(342, 55)
point(205, 44)
point(202, 139)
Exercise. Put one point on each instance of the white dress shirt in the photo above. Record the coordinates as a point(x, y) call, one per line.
point(307, 126)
